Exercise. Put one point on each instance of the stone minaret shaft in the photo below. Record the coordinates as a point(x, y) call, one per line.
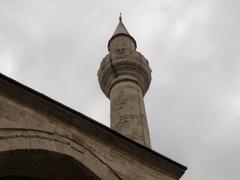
point(124, 76)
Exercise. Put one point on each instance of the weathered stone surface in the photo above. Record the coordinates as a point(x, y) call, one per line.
point(124, 77)
point(128, 114)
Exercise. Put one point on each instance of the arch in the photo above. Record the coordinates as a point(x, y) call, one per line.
point(19, 145)
point(41, 165)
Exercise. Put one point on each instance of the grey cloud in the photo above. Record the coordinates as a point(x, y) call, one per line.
point(193, 103)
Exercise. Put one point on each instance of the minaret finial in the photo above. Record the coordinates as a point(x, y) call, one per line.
point(120, 17)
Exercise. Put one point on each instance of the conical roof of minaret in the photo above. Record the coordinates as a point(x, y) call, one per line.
point(121, 30)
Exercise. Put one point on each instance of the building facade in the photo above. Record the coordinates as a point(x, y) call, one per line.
point(43, 139)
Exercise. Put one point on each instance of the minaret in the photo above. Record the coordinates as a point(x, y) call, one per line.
point(124, 77)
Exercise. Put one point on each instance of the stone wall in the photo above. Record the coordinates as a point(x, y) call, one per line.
point(24, 127)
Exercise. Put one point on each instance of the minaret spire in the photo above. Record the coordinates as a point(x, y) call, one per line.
point(124, 77)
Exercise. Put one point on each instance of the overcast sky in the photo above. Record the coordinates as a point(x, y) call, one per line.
point(193, 104)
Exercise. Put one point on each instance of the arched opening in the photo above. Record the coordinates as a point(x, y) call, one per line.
point(41, 165)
